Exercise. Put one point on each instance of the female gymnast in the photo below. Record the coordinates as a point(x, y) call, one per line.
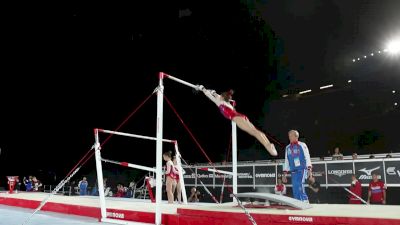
point(178, 183)
point(170, 176)
point(226, 107)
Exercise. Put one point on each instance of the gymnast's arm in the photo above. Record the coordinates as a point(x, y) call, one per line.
point(211, 94)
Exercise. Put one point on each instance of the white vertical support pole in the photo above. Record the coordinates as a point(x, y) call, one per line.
point(99, 170)
point(159, 143)
point(326, 174)
point(384, 170)
point(234, 159)
point(181, 180)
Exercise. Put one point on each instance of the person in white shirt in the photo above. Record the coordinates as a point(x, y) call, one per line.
point(280, 188)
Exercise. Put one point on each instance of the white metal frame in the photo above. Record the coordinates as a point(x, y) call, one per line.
point(158, 171)
point(160, 117)
point(159, 151)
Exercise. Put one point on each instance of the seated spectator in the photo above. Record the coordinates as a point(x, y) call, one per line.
point(17, 185)
point(388, 156)
point(354, 156)
point(131, 189)
point(36, 184)
point(280, 188)
point(337, 155)
point(82, 185)
point(28, 184)
point(314, 194)
point(372, 157)
point(194, 195)
point(120, 191)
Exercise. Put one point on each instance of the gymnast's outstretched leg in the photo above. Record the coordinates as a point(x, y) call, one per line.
point(244, 124)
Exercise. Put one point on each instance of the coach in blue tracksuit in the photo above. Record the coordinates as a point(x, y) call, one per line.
point(298, 162)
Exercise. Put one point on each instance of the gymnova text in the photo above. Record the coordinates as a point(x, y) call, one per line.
point(300, 219)
point(116, 215)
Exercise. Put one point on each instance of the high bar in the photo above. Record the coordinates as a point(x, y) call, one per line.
point(134, 135)
point(181, 81)
point(130, 165)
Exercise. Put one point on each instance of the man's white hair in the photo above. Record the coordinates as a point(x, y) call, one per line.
point(295, 133)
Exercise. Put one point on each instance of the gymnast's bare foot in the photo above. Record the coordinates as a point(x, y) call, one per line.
point(271, 149)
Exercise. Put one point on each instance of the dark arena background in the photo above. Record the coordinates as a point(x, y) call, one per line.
point(328, 69)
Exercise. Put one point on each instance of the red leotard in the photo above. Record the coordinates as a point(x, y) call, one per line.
point(228, 112)
point(172, 172)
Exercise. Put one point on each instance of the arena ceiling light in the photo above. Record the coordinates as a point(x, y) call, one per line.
point(326, 86)
point(304, 92)
point(393, 47)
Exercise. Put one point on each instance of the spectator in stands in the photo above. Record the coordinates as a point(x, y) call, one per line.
point(280, 188)
point(95, 191)
point(120, 191)
point(314, 190)
point(17, 185)
point(354, 156)
point(194, 195)
point(82, 185)
point(329, 154)
point(131, 189)
point(36, 184)
point(376, 191)
point(389, 156)
point(28, 183)
point(355, 187)
point(337, 155)
point(372, 157)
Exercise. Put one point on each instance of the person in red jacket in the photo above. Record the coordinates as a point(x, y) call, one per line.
point(355, 187)
point(376, 191)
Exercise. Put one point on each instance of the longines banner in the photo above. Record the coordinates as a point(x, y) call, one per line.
point(340, 173)
point(330, 173)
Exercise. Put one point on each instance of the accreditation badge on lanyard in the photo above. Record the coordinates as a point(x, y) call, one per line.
point(296, 155)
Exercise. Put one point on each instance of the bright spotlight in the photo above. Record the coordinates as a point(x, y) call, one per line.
point(326, 86)
point(304, 92)
point(393, 47)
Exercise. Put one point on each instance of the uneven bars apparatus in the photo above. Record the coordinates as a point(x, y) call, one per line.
point(217, 171)
point(234, 130)
point(157, 171)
